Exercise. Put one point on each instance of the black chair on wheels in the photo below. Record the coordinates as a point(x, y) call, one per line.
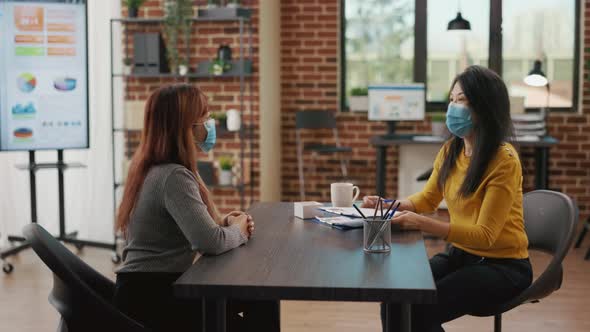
point(550, 219)
point(314, 120)
point(585, 229)
point(81, 295)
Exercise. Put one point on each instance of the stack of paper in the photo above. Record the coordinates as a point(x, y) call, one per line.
point(349, 212)
point(341, 222)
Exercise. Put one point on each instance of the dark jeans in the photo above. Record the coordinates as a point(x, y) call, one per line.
point(466, 283)
point(148, 298)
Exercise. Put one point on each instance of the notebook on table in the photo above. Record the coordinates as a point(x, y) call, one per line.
point(340, 222)
point(348, 212)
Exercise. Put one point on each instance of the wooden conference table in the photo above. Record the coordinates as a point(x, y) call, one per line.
point(292, 259)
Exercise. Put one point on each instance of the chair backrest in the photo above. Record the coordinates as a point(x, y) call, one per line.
point(315, 120)
point(82, 296)
point(550, 219)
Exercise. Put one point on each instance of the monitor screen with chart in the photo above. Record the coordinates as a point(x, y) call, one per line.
point(396, 102)
point(43, 75)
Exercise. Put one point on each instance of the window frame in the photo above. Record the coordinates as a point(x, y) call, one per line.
point(495, 57)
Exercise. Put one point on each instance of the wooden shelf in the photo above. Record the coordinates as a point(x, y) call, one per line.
point(126, 130)
point(222, 14)
point(237, 70)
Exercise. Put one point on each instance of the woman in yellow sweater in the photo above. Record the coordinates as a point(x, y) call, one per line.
point(479, 175)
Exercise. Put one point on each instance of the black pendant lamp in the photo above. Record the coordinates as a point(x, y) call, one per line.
point(459, 23)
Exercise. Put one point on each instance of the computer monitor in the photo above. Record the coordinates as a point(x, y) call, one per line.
point(396, 102)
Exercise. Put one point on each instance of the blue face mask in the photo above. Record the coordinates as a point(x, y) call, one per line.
point(209, 141)
point(459, 120)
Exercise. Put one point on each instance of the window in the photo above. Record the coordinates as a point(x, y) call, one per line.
point(402, 41)
point(379, 42)
point(544, 32)
point(451, 51)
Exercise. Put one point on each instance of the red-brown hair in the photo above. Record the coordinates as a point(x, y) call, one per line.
point(167, 137)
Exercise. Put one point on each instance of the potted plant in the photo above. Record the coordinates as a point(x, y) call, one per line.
point(439, 126)
point(221, 119)
point(133, 6)
point(177, 23)
point(127, 62)
point(219, 66)
point(226, 164)
point(183, 67)
point(212, 3)
point(233, 3)
point(359, 100)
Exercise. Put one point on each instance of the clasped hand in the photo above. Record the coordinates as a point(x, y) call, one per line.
point(242, 219)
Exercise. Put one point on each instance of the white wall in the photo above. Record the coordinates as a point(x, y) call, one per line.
point(88, 191)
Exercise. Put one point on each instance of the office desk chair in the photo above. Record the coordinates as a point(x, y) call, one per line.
point(583, 232)
point(550, 219)
point(80, 294)
point(316, 120)
point(425, 176)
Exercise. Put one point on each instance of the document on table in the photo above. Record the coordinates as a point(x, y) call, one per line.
point(341, 222)
point(349, 212)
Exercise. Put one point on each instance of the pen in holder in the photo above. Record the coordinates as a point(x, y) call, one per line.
point(376, 235)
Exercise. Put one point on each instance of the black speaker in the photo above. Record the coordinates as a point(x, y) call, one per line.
point(149, 54)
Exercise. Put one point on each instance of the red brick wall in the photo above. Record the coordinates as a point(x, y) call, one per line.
point(310, 81)
point(223, 93)
point(309, 47)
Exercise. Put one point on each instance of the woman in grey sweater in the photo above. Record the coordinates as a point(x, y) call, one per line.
point(167, 215)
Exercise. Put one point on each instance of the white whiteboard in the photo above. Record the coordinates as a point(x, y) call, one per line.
point(393, 102)
point(43, 75)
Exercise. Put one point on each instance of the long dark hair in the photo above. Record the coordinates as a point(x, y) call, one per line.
point(167, 137)
point(489, 103)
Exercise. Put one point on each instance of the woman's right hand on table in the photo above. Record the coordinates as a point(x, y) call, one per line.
point(370, 202)
point(245, 223)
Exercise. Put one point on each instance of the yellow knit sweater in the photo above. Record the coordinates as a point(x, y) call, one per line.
point(489, 222)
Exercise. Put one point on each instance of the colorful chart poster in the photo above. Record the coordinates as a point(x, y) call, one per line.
point(43, 75)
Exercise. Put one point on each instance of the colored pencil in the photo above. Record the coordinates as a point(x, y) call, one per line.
point(359, 211)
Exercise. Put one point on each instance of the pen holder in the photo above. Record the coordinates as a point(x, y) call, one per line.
point(376, 235)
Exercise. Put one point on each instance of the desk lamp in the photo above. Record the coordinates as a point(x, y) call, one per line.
point(537, 78)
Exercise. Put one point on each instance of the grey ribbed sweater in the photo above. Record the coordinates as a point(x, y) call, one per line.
point(170, 222)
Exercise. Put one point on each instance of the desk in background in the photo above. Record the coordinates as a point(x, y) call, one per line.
point(292, 259)
point(381, 143)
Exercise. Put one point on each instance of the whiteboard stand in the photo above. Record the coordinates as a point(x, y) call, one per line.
point(71, 237)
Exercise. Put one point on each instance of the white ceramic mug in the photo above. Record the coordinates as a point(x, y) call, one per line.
point(343, 194)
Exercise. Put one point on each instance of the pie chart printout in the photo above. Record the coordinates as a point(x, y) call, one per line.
point(26, 82)
point(64, 84)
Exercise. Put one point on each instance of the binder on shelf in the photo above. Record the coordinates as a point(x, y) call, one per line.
point(224, 13)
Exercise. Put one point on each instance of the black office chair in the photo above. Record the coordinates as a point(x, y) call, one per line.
point(314, 120)
point(80, 294)
point(550, 219)
point(583, 232)
point(425, 176)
